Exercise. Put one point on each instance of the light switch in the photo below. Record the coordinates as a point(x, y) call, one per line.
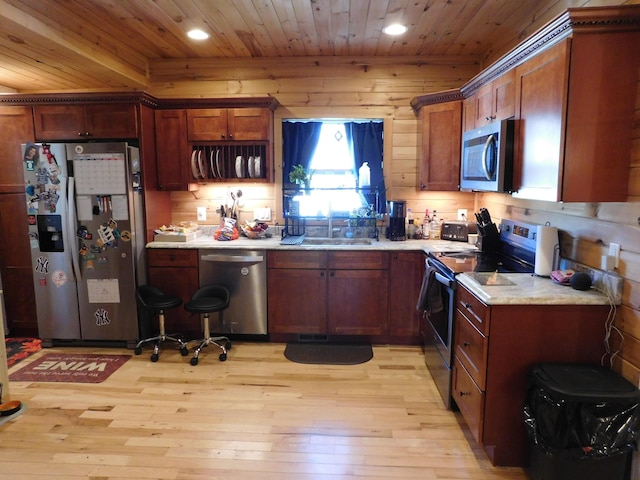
point(202, 214)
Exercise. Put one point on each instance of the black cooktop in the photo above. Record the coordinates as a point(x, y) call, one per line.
point(461, 262)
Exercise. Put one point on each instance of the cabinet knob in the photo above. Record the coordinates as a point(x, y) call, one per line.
point(230, 136)
point(463, 394)
point(332, 274)
point(322, 274)
point(466, 344)
point(467, 305)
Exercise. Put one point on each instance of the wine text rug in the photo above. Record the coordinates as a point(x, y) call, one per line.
point(70, 367)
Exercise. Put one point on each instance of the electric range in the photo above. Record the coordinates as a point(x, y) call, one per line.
point(511, 251)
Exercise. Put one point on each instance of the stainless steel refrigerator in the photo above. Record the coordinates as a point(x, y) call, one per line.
point(84, 209)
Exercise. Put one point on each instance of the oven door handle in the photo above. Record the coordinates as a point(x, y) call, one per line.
point(445, 281)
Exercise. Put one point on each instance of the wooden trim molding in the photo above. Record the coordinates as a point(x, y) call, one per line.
point(140, 98)
point(574, 20)
point(435, 98)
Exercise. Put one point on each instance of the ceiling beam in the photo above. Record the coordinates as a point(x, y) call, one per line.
point(34, 30)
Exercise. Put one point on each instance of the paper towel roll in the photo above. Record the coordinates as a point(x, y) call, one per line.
point(546, 245)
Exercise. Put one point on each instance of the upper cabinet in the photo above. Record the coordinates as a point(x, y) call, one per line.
point(574, 87)
point(441, 125)
point(214, 140)
point(492, 102)
point(85, 122)
point(172, 151)
point(232, 124)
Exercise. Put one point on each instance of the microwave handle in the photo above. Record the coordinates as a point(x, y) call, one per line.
point(485, 167)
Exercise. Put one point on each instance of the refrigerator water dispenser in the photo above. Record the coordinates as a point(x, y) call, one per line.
point(50, 233)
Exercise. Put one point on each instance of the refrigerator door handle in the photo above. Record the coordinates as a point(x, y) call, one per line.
point(71, 230)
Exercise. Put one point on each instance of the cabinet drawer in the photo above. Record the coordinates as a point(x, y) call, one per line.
point(293, 259)
point(351, 260)
point(471, 348)
point(172, 257)
point(469, 398)
point(476, 311)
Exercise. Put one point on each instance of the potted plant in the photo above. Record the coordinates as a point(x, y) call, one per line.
point(299, 176)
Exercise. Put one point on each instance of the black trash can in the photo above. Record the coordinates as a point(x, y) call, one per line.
point(583, 422)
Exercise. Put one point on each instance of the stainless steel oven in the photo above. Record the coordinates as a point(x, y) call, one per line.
point(514, 252)
point(438, 332)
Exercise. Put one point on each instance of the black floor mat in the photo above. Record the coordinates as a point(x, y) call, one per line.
point(328, 353)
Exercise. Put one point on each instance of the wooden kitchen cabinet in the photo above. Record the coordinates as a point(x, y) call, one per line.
point(575, 105)
point(492, 102)
point(495, 347)
point(85, 122)
point(16, 124)
point(327, 293)
point(358, 293)
point(172, 150)
point(232, 124)
point(405, 279)
point(441, 126)
point(16, 268)
point(175, 272)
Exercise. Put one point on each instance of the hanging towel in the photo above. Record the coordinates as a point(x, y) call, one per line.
point(430, 299)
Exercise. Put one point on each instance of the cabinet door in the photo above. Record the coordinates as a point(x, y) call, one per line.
point(441, 141)
point(172, 153)
point(249, 124)
point(541, 91)
point(59, 122)
point(405, 280)
point(297, 300)
point(207, 124)
point(16, 124)
point(496, 100)
point(94, 121)
point(111, 121)
point(15, 263)
point(358, 302)
point(180, 281)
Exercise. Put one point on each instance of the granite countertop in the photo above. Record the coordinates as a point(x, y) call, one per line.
point(526, 289)
point(273, 243)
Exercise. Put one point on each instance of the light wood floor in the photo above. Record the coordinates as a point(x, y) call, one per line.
point(255, 416)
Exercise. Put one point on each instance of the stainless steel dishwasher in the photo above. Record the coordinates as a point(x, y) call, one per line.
point(244, 273)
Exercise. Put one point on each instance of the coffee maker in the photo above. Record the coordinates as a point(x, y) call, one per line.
point(397, 213)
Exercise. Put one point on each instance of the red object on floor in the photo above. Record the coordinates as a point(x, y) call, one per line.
point(19, 348)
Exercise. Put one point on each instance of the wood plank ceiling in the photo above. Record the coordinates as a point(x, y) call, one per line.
point(74, 45)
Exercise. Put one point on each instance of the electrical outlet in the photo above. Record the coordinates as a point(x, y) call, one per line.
point(462, 214)
point(262, 214)
point(614, 251)
point(202, 214)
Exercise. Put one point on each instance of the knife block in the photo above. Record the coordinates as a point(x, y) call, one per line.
point(488, 237)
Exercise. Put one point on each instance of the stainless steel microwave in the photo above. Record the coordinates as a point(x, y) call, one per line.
point(487, 158)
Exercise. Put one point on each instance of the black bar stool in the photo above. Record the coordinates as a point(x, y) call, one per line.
point(155, 301)
point(206, 300)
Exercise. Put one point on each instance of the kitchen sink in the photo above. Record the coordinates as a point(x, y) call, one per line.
point(336, 241)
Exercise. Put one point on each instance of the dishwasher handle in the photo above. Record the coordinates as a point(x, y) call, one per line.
point(232, 258)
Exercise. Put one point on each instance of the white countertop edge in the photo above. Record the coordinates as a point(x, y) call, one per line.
point(531, 290)
point(273, 243)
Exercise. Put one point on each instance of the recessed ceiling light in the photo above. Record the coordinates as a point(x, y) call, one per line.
point(198, 34)
point(395, 29)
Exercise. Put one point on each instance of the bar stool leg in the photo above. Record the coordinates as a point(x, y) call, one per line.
point(208, 339)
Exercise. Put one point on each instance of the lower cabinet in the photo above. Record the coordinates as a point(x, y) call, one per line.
point(175, 272)
point(328, 293)
point(405, 279)
point(495, 346)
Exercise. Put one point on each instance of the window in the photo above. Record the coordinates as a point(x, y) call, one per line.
point(332, 152)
